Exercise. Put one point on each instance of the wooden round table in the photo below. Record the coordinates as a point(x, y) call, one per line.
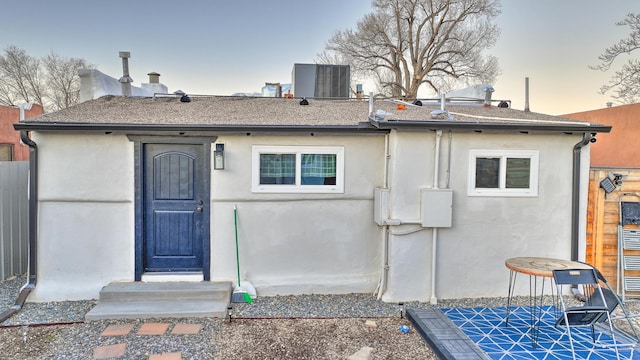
point(539, 266)
point(535, 267)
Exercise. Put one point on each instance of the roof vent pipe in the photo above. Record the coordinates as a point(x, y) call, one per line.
point(442, 113)
point(487, 95)
point(22, 108)
point(125, 80)
point(526, 94)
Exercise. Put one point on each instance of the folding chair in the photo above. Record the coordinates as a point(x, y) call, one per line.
point(613, 301)
point(588, 314)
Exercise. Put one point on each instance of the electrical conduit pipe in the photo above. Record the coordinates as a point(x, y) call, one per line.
point(382, 285)
point(434, 245)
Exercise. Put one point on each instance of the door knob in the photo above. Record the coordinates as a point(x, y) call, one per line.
point(199, 209)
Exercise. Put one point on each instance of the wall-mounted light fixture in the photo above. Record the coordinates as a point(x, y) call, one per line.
point(611, 182)
point(218, 157)
point(607, 185)
point(616, 178)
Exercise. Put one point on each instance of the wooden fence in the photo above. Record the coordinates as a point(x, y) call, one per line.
point(14, 218)
point(603, 218)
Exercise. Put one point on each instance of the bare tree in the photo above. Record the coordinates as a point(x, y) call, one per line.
point(63, 82)
point(20, 76)
point(52, 82)
point(625, 83)
point(408, 43)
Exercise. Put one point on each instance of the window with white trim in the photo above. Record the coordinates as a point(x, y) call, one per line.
point(309, 169)
point(503, 173)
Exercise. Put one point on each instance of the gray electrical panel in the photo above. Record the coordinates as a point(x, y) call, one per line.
point(381, 206)
point(436, 207)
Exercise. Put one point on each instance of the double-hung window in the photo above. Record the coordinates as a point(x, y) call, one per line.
point(311, 169)
point(503, 173)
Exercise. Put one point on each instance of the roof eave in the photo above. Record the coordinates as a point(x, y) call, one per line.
point(545, 127)
point(373, 126)
point(184, 129)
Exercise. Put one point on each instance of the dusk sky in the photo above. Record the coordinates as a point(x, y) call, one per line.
point(224, 47)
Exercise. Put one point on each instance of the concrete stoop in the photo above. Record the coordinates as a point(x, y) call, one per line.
point(143, 300)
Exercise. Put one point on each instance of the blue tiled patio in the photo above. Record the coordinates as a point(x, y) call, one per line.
point(481, 333)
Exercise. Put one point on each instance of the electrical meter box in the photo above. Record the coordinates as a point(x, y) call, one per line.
point(436, 207)
point(380, 205)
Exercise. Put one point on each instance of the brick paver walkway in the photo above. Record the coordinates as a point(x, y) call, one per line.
point(118, 350)
point(186, 329)
point(109, 351)
point(153, 329)
point(117, 330)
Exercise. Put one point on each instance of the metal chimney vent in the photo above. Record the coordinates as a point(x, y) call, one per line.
point(125, 80)
point(154, 78)
point(487, 95)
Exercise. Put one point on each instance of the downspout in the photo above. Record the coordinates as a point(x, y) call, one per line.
point(575, 200)
point(33, 202)
point(434, 245)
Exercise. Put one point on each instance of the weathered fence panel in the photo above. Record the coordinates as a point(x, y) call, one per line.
point(603, 218)
point(14, 214)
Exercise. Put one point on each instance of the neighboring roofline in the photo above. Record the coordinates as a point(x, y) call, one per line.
point(473, 126)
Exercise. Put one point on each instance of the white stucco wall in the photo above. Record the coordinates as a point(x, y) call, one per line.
point(86, 215)
point(310, 243)
point(290, 243)
point(299, 243)
point(486, 230)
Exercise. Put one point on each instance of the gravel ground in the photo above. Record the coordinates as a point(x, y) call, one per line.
point(279, 327)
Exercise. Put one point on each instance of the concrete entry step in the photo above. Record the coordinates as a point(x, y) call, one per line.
point(132, 300)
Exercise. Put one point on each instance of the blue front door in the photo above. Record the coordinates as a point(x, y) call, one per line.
point(175, 207)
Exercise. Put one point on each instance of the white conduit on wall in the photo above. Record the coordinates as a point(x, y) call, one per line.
point(382, 285)
point(434, 246)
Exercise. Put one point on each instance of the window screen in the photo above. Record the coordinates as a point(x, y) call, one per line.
point(518, 173)
point(487, 172)
point(318, 169)
point(277, 168)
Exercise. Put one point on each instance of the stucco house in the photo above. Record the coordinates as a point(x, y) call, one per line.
point(337, 196)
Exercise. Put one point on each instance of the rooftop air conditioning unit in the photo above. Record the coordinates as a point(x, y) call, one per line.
point(320, 81)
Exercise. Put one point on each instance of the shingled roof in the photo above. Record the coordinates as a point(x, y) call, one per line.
point(235, 113)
